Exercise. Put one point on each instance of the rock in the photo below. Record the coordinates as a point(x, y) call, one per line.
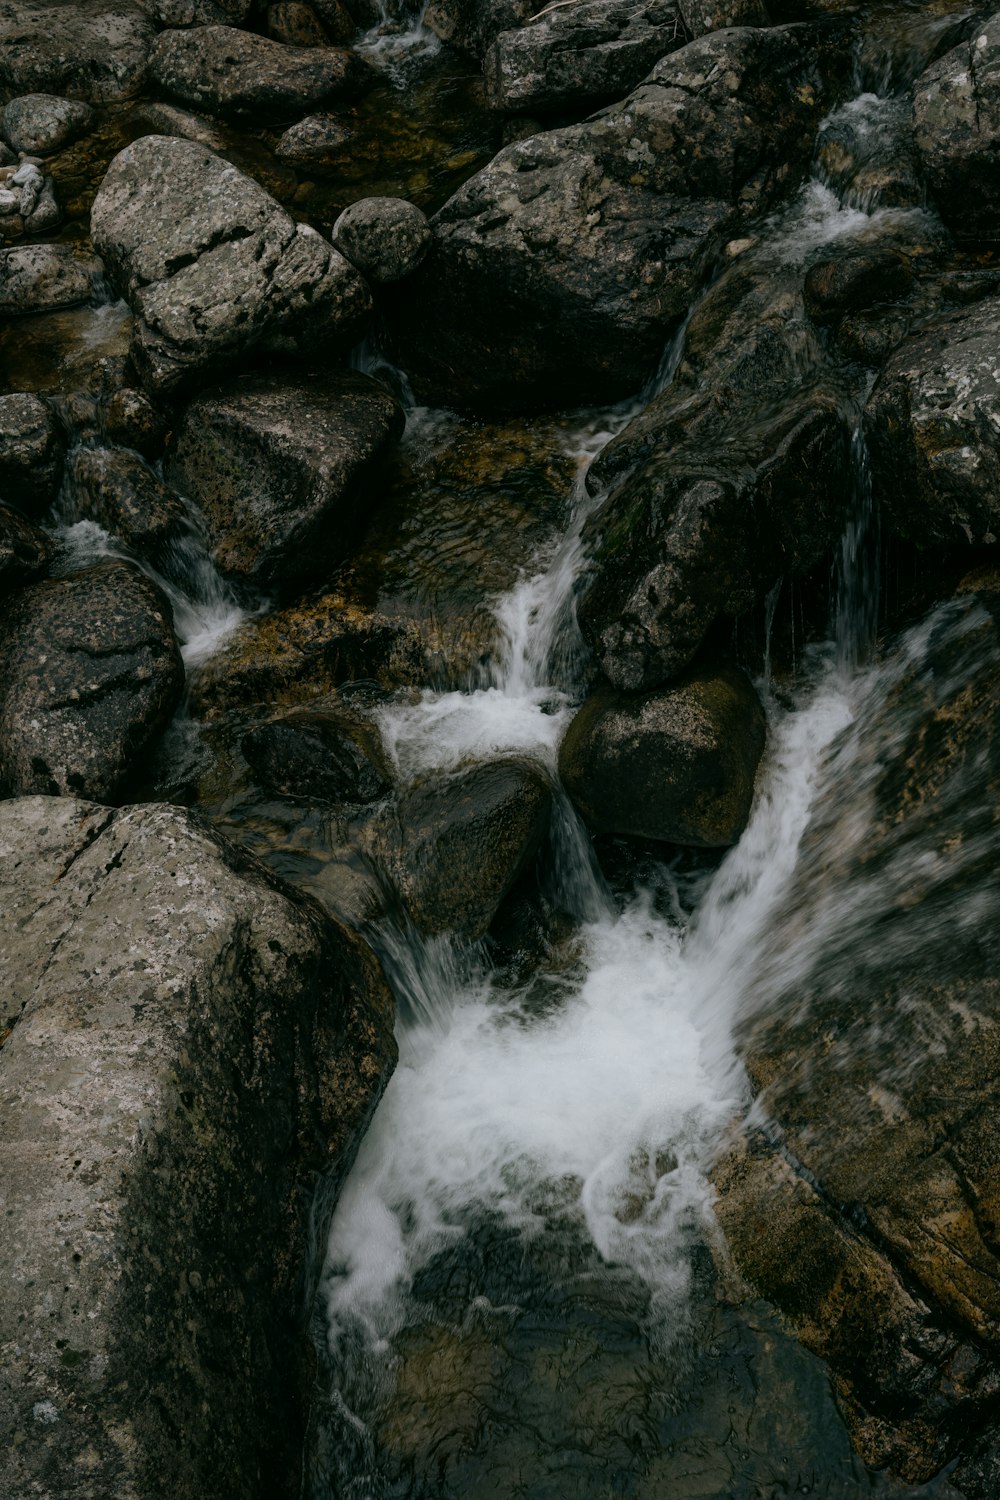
point(454, 847)
point(25, 551)
point(212, 265)
point(131, 421)
point(156, 118)
point(331, 751)
point(557, 270)
point(849, 283)
point(282, 469)
point(701, 16)
point(866, 152)
point(340, 25)
point(46, 214)
point(41, 278)
point(584, 53)
point(296, 25)
point(42, 123)
point(202, 12)
point(316, 141)
point(121, 493)
point(473, 25)
point(31, 453)
point(193, 1055)
point(864, 1200)
point(93, 49)
point(386, 238)
point(676, 765)
point(931, 424)
point(956, 119)
point(90, 675)
point(232, 72)
point(701, 529)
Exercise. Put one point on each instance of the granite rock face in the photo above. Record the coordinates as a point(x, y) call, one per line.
point(189, 1055)
point(212, 265)
point(93, 49)
point(956, 118)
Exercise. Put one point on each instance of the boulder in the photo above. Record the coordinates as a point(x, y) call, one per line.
point(41, 278)
point(454, 847)
point(153, 117)
point(283, 469)
point(557, 271)
point(386, 238)
point(584, 53)
point(93, 49)
point(296, 25)
point(90, 673)
point(843, 284)
point(315, 142)
point(330, 750)
point(202, 12)
point(473, 25)
point(130, 420)
point(212, 265)
point(120, 492)
point(701, 16)
point(956, 119)
point(230, 72)
point(863, 1199)
point(31, 453)
point(25, 551)
point(932, 429)
point(190, 1055)
point(39, 124)
point(677, 765)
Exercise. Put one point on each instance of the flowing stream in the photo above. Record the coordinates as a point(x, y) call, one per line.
point(519, 1296)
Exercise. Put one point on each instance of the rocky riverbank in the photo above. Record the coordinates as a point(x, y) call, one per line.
point(435, 453)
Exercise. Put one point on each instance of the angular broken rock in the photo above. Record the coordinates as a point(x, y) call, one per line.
point(213, 266)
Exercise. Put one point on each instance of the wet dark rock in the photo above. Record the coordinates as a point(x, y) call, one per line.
point(31, 453)
point(931, 424)
point(956, 114)
point(120, 492)
point(584, 53)
point(706, 522)
point(454, 847)
point(39, 124)
point(556, 271)
point(92, 49)
point(131, 421)
point(231, 72)
point(848, 283)
point(41, 278)
point(283, 469)
point(213, 266)
point(25, 551)
point(676, 765)
point(316, 142)
point(386, 238)
point(330, 750)
point(202, 12)
point(90, 673)
point(296, 25)
point(864, 1202)
point(473, 25)
point(190, 1055)
point(340, 25)
point(701, 16)
point(866, 152)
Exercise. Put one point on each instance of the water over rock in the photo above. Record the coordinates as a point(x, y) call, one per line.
point(92, 49)
point(956, 115)
point(31, 453)
point(90, 673)
point(285, 469)
point(212, 265)
point(330, 750)
point(190, 1054)
point(120, 492)
point(230, 72)
point(558, 269)
point(676, 765)
point(931, 424)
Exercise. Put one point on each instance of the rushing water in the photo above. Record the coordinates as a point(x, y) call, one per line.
point(518, 1296)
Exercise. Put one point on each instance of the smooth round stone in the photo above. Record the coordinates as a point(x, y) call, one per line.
point(44, 123)
point(386, 238)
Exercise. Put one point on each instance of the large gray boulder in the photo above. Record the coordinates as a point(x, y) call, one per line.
point(212, 265)
point(90, 673)
point(956, 118)
point(932, 428)
point(558, 269)
point(92, 49)
point(232, 72)
point(282, 469)
point(31, 452)
point(190, 1055)
point(677, 765)
point(583, 53)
